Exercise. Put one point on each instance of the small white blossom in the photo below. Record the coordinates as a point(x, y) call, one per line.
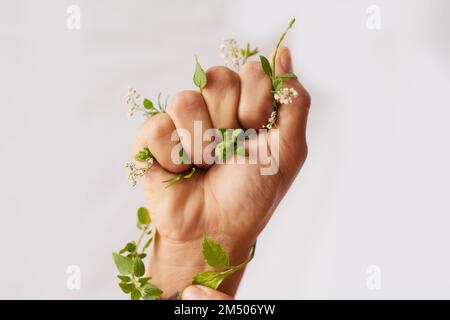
point(272, 120)
point(135, 172)
point(132, 101)
point(285, 95)
point(230, 53)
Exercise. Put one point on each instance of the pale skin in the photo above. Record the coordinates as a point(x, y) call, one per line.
point(230, 203)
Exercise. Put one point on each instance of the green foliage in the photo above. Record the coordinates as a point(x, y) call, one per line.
point(130, 265)
point(200, 80)
point(266, 66)
point(183, 175)
point(216, 257)
point(247, 53)
point(143, 155)
point(150, 109)
point(233, 142)
point(143, 216)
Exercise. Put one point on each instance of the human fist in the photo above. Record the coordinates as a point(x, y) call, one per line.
point(231, 202)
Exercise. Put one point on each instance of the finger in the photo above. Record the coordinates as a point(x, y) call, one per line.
point(292, 117)
point(196, 292)
point(255, 105)
point(190, 116)
point(221, 95)
point(156, 134)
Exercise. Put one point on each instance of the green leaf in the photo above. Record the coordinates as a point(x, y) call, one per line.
point(209, 279)
point(287, 75)
point(147, 244)
point(144, 280)
point(182, 155)
point(291, 23)
point(143, 155)
point(126, 287)
point(173, 180)
point(131, 246)
point(199, 75)
point(276, 84)
point(124, 264)
point(135, 294)
point(151, 297)
point(138, 267)
point(124, 278)
point(148, 104)
point(266, 66)
point(214, 254)
point(142, 255)
point(189, 174)
point(143, 216)
point(186, 175)
point(149, 289)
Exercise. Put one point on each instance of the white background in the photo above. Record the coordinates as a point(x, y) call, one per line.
point(374, 190)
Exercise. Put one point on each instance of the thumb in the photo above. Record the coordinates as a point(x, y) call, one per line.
point(292, 118)
point(196, 292)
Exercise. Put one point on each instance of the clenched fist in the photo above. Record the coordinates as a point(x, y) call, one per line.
point(231, 203)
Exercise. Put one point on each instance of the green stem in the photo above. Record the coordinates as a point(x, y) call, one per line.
point(242, 265)
point(138, 243)
point(278, 45)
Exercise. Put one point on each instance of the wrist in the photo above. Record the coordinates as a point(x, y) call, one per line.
point(173, 263)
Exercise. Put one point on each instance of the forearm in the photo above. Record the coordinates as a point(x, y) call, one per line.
point(174, 263)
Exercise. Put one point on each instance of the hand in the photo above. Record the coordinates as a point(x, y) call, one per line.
point(197, 292)
point(230, 203)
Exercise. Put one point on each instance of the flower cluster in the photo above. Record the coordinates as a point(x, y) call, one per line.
point(233, 56)
point(132, 101)
point(230, 53)
point(135, 172)
point(285, 95)
point(272, 120)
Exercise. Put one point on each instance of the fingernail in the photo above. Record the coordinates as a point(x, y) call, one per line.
point(194, 293)
point(286, 60)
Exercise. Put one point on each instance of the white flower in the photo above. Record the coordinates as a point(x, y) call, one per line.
point(230, 53)
point(132, 101)
point(135, 172)
point(272, 120)
point(285, 95)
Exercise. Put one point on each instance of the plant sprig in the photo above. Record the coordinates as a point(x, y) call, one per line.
point(129, 262)
point(183, 175)
point(281, 95)
point(147, 107)
point(151, 109)
point(247, 53)
point(232, 143)
point(218, 259)
point(146, 157)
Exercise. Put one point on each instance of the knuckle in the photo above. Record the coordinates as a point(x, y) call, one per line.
point(221, 76)
point(183, 101)
point(154, 128)
point(252, 67)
